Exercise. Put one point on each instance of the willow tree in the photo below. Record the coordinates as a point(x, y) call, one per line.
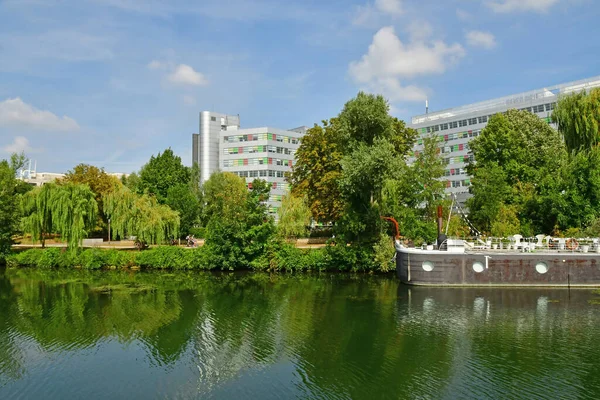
point(578, 119)
point(36, 211)
point(73, 212)
point(69, 210)
point(141, 216)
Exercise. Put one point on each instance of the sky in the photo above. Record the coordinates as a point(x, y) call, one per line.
point(113, 82)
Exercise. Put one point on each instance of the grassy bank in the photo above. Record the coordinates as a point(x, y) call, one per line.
point(278, 257)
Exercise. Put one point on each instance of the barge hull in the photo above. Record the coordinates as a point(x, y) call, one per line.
point(439, 268)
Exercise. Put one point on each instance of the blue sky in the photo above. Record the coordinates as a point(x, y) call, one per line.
point(111, 82)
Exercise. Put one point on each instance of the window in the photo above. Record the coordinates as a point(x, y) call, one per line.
point(483, 119)
point(436, 128)
point(444, 127)
point(455, 184)
point(262, 173)
point(213, 118)
point(428, 129)
point(462, 123)
point(453, 124)
point(472, 121)
point(280, 174)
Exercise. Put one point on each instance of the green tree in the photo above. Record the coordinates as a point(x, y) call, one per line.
point(516, 155)
point(317, 171)
point(180, 198)
point(238, 226)
point(9, 207)
point(36, 209)
point(414, 192)
point(141, 216)
point(69, 209)
point(578, 119)
point(374, 145)
point(162, 173)
point(294, 217)
point(73, 212)
point(99, 182)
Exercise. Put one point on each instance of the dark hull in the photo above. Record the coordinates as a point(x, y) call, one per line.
point(502, 269)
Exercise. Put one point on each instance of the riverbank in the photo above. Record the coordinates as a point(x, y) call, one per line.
point(278, 257)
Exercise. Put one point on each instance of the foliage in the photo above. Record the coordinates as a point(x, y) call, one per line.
point(69, 209)
point(457, 227)
point(238, 227)
point(162, 173)
point(294, 217)
point(384, 251)
point(317, 171)
point(506, 222)
point(9, 207)
point(96, 178)
point(181, 199)
point(578, 119)
point(373, 145)
point(140, 216)
point(132, 182)
point(413, 194)
point(73, 212)
point(36, 207)
point(517, 157)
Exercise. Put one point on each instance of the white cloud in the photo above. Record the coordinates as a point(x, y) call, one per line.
point(389, 60)
point(185, 75)
point(463, 15)
point(392, 7)
point(20, 144)
point(371, 13)
point(506, 6)
point(481, 39)
point(154, 64)
point(15, 112)
point(419, 30)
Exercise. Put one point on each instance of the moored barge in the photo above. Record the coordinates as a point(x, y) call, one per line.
point(457, 264)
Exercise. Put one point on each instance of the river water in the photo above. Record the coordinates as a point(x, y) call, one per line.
point(125, 335)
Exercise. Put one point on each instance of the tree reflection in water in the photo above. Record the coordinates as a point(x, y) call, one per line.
point(272, 336)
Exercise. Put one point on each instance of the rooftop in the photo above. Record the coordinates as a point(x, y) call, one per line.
point(509, 101)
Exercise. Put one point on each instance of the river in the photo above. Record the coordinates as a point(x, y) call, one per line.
point(72, 334)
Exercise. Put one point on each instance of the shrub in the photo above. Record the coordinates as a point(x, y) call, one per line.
point(93, 258)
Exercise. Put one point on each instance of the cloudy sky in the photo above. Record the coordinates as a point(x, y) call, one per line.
point(111, 82)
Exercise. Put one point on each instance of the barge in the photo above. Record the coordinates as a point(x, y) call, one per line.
point(457, 263)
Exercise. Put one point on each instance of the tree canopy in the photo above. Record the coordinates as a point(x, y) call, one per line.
point(578, 118)
point(162, 173)
point(9, 206)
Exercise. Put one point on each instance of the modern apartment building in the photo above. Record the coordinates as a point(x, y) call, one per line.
point(266, 153)
point(455, 127)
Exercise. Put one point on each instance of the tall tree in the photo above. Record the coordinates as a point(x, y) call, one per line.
point(294, 217)
point(516, 155)
point(162, 173)
point(238, 227)
point(578, 119)
point(374, 145)
point(141, 216)
point(9, 207)
point(73, 212)
point(99, 182)
point(180, 198)
point(69, 209)
point(318, 170)
point(36, 208)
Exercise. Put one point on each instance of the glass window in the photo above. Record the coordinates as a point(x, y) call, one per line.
point(453, 124)
point(483, 119)
point(472, 121)
point(462, 123)
point(444, 127)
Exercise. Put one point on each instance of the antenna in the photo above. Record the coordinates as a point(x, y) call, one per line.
point(426, 106)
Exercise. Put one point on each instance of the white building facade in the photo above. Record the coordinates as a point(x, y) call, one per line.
point(266, 153)
point(455, 127)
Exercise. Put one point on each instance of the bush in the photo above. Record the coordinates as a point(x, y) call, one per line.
point(166, 257)
point(93, 259)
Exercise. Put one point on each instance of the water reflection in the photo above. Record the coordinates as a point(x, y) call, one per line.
point(66, 334)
